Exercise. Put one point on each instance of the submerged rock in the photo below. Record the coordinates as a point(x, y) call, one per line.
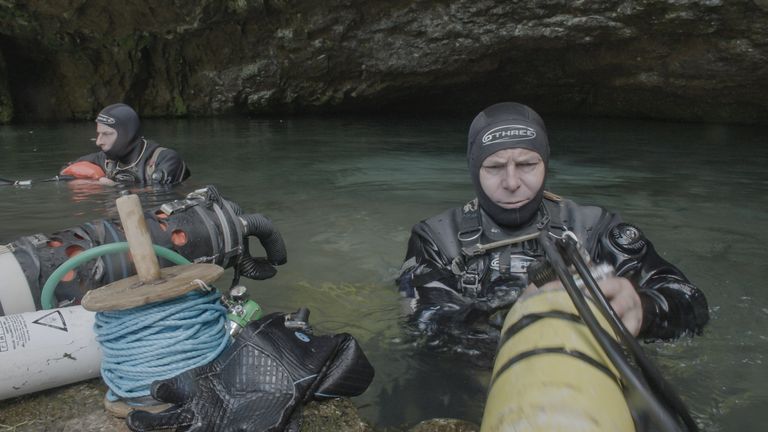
point(445, 425)
point(333, 415)
point(672, 59)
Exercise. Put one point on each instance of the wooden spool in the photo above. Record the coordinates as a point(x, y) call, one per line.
point(151, 284)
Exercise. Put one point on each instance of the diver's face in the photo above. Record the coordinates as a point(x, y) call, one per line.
point(105, 137)
point(512, 177)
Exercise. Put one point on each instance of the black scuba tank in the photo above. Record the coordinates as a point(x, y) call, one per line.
point(203, 227)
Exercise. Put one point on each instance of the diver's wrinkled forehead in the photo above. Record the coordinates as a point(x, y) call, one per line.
point(514, 155)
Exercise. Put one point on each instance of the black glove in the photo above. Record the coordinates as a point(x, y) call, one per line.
point(258, 382)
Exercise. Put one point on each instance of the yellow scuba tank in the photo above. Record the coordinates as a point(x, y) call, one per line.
point(550, 373)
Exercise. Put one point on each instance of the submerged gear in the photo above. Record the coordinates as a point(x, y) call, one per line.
point(125, 121)
point(499, 127)
point(450, 289)
point(148, 163)
point(203, 227)
point(259, 382)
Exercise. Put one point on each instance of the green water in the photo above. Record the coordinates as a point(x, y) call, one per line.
point(345, 192)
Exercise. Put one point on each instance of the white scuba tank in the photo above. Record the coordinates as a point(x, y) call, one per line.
point(15, 295)
point(46, 349)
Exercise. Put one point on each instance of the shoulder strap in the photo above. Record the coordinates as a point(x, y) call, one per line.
point(153, 161)
point(109, 168)
point(556, 216)
point(469, 269)
point(471, 228)
point(552, 196)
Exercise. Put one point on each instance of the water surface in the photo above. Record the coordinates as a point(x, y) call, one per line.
point(345, 192)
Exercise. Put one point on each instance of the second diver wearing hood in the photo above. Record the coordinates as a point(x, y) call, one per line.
point(126, 156)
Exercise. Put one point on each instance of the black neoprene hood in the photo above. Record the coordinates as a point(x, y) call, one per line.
point(504, 126)
point(123, 119)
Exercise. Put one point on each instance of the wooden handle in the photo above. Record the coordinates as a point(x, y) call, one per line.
point(139, 241)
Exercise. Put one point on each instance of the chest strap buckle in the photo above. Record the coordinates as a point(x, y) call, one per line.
point(470, 283)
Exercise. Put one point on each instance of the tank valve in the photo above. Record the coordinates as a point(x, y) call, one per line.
point(240, 309)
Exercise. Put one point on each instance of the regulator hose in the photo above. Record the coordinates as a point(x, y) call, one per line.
point(259, 268)
point(47, 297)
point(635, 387)
point(253, 268)
point(235, 206)
point(258, 225)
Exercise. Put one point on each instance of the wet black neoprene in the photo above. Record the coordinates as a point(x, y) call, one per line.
point(499, 127)
point(445, 297)
point(259, 381)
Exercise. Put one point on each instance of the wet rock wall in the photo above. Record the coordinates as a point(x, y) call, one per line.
point(699, 60)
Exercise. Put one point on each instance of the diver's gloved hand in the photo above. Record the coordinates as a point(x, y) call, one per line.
point(257, 383)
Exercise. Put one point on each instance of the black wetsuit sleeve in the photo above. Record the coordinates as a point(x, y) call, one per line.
point(672, 305)
point(169, 168)
point(434, 299)
point(424, 263)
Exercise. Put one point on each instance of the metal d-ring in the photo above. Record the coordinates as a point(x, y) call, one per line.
point(478, 230)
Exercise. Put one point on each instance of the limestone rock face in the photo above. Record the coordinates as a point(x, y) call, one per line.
point(699, 60)
point(6, 104)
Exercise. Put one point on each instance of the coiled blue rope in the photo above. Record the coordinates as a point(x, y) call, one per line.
point(158, 341)
point(155, 341)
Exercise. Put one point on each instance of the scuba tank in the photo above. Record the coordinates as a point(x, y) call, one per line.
point(45, 349)
point(203, 227)
point(566, 361)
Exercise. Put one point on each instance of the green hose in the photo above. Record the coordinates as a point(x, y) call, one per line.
point(47, 298)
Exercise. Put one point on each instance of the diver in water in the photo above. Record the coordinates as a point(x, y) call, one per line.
point(126, 156)
point(466, 267)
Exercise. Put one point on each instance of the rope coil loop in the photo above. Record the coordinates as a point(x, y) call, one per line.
point(159, 341)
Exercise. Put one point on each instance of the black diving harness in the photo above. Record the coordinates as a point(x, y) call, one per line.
point(467, 264)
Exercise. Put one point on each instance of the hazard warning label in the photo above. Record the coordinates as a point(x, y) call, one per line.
point(15, 330)
point(14, 333)
point(53, 320)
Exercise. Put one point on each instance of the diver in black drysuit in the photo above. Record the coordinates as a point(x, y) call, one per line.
point(462, 297)
point(133, 158)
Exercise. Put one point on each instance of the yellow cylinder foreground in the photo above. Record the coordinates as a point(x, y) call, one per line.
point(552, 375)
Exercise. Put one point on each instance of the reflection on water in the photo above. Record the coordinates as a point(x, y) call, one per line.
point(345, 192)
